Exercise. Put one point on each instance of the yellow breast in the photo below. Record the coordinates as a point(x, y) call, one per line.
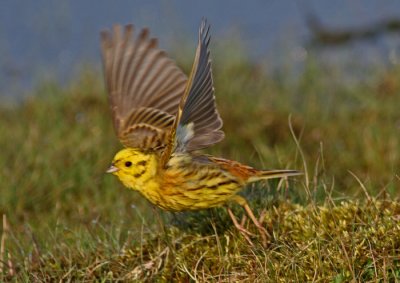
point(182, 185)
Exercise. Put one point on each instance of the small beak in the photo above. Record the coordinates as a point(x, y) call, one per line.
point(112, 169)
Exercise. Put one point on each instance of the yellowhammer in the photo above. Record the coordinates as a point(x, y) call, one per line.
point(162, 117)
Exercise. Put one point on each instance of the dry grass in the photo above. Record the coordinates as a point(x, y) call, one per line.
point(67, 220)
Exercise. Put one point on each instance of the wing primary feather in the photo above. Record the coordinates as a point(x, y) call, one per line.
point(165, 83)
point(154, 77)
point(195, 104)
point(144, 86)
point(197, 123)
point(173, 84)
point(136, 71)
point(150, 75)
point(121, 62)
point(114, 65)
point(129, 35)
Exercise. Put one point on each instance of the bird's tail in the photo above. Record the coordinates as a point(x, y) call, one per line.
point(271, 174)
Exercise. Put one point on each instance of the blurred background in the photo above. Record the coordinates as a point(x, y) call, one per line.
point(325, 73)
point(312, 85)
point(41, 40)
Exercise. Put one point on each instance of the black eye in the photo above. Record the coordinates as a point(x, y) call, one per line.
point(128, 164)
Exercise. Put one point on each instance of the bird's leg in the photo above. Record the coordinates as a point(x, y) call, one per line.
point(241, 229)
point(263, 232)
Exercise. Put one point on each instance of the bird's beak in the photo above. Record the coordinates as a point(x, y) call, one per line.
point(112, 169)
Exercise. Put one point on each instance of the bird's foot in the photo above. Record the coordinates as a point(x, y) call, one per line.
point(246, 234)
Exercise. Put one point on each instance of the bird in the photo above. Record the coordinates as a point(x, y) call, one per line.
point(163, 119)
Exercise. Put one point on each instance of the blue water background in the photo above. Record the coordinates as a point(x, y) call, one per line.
point(45, 39)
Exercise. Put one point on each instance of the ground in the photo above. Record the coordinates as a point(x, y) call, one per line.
point(64, 218)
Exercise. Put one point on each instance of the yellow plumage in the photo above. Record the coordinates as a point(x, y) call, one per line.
point(181, 185)
point(162, 117)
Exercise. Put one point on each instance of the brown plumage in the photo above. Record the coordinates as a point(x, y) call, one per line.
point(144, 87)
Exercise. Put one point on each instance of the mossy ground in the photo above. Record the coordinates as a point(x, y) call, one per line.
point(68, 220)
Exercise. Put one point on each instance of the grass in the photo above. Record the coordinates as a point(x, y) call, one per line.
point(65, 219)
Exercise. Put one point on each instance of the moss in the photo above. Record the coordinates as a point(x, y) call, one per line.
point(67, 219)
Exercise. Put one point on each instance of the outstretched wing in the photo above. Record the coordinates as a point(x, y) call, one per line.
point(198, 123)
point(144, 87)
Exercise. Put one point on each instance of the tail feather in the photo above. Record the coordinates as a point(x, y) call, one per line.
point(272, 174)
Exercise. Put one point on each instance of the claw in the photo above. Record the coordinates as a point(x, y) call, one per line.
point(241, 229)
point(263, 232)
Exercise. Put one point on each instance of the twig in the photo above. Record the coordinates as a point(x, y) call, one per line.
point(348, 261)
point(11, 269)
point(373, 258)
point(3, 243)
point(362, 186)
point(3, 261)
point(300, 151)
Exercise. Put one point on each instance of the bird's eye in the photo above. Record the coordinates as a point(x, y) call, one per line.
point(128, 164)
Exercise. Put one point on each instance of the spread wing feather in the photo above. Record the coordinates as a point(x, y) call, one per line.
point(144, 87)
point(198, 123)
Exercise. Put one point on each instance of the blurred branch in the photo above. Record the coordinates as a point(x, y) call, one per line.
point(327, 36)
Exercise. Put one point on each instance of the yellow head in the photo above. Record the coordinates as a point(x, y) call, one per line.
point(134, 167)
